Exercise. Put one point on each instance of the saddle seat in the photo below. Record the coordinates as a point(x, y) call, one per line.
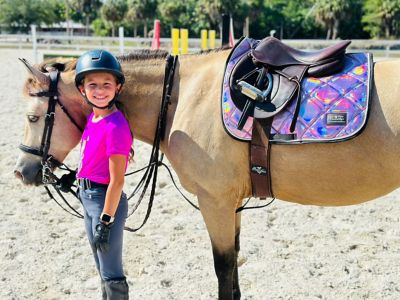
point(272, 52)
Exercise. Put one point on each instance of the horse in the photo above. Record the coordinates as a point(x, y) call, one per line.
point(209, 163)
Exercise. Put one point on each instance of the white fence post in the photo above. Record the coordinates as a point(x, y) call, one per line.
point(387, 52)
point(121, 40)
point(34, 43)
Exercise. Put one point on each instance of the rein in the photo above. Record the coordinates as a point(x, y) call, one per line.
point(155, 158)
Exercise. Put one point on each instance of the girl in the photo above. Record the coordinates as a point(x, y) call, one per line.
point(105, 148)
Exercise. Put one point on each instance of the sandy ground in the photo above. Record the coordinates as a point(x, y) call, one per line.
point(288, 251)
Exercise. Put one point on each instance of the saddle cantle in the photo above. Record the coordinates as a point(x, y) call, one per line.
point(331, 107)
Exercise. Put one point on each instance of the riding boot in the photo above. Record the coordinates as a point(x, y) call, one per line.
point(117, 289)
point(103, 290)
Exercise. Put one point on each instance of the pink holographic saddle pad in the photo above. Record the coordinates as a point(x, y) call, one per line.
point(333, 108)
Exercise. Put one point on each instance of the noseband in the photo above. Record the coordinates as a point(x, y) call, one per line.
point(48, 161)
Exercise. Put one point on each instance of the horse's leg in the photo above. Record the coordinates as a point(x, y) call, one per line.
point(236, 286)
point(220, 219)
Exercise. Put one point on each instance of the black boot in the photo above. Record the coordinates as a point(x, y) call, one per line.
point(117, 289)
point(103, 290)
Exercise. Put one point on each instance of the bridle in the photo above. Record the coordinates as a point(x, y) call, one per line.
point(48, 161)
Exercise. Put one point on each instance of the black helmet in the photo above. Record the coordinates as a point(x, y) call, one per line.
point(98, 61)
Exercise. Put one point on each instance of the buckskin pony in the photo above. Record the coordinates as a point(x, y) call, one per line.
point(210, 163)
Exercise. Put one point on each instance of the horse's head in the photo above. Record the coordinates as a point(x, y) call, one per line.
point(64, 134)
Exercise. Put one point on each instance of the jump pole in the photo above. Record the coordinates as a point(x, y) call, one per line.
point(231, 34)
point(211, 35)
point(34, 44)
point(155, 44)
point(184, 41)
point(225, 30)
point(175, 41)
point(204, 39)
point(121, 40)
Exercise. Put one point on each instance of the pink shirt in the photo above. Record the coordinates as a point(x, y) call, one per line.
point(111, 135)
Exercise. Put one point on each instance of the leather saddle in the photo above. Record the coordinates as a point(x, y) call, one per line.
point(271, 73)
point(266, 80)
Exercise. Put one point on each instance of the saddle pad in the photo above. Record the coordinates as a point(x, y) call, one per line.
point(333, 108)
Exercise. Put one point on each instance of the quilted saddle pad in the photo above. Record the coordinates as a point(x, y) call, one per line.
point(333, 108)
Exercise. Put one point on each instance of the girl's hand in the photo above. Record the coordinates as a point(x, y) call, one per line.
point(101, 238)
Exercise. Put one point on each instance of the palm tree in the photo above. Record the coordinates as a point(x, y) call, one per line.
point(381, 14)
point(113, 11)
point(87, 8)
point(141, 11)
point(329, 14)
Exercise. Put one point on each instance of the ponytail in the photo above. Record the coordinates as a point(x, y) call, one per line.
point(122, 109)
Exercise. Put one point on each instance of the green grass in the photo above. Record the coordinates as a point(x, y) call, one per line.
point(54, 55)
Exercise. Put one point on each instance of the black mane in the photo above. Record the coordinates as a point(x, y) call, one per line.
point(143, 54)
point(67, 64)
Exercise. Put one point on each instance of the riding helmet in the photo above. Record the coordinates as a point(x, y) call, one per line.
point(98, 61)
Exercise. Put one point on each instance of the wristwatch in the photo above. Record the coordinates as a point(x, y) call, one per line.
point(106, 218)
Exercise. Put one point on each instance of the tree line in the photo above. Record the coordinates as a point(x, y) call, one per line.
point(289, 19)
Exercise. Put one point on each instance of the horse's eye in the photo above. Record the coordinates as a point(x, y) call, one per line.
point(32, 118)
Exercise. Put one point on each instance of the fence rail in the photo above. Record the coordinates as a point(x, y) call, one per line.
point(48, 42)
point(71, 42)
point(78, 43)
point(44, 42)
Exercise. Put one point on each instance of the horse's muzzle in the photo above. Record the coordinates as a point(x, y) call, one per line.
point(30, 173)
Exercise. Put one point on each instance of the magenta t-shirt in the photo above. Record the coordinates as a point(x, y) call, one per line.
point(111, 135)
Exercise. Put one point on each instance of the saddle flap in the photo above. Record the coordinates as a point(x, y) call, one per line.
point(282, 93)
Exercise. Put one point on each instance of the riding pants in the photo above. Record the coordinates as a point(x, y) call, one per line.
point(109, 264)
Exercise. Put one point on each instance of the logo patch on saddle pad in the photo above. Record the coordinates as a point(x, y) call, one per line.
point(336, 119)
point(333, 108)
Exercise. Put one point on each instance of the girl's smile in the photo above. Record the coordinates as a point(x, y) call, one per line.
point(100, 88)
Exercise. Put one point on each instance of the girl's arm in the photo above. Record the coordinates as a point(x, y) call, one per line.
point(117, 175)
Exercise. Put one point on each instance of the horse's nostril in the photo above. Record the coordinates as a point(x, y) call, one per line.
point(18, 175)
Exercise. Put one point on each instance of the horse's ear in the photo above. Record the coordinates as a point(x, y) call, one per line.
point(40, 76)
point(58, 66)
